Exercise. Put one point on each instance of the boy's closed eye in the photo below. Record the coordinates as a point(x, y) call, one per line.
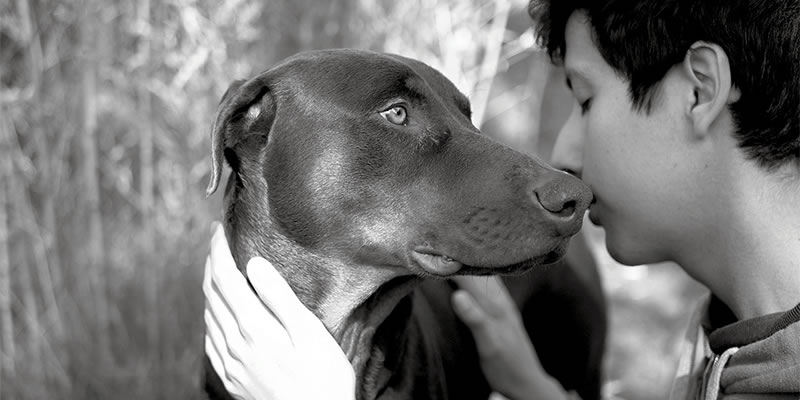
point(578, 86)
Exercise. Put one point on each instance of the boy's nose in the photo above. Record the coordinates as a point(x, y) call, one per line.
point(568, 149)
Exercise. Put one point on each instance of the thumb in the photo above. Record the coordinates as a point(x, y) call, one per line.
point(276, 294)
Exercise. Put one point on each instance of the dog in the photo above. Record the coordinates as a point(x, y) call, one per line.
point(359, 175)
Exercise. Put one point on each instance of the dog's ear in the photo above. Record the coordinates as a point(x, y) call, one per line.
point(243, 105)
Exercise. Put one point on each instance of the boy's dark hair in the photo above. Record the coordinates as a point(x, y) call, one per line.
point(642, 40)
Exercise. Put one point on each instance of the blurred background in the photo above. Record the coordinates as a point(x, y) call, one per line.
point(105, 110)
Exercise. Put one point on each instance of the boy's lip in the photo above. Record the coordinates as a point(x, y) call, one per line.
point(594, 214)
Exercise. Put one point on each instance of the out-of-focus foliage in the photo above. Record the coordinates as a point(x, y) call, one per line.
point(105, 108)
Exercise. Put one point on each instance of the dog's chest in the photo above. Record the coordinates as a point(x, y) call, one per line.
point(438, 359)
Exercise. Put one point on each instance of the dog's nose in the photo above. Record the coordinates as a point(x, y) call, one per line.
point(563, 196)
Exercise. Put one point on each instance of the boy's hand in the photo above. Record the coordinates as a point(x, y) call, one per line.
point(507, 356)
point(272, 347)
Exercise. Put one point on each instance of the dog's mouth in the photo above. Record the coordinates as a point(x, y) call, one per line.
point(438, 263)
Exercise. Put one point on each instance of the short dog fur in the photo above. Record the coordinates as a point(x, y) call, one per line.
point(358, 175)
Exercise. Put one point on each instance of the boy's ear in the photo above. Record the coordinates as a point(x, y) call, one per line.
point(708, 68)
point(245, 107)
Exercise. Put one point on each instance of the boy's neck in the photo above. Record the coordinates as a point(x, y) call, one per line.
point(753, 262)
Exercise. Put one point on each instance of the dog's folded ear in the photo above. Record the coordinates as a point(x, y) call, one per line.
point(244, 106)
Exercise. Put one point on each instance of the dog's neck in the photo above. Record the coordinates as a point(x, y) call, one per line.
point(352, 301)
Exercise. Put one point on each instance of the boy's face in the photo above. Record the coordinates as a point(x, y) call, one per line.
point(636, 163)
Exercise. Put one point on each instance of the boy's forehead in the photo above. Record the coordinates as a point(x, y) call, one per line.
point(581, 54)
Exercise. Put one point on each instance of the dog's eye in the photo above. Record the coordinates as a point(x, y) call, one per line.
point(396, 115)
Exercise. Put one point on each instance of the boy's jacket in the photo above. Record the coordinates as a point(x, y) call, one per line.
point(757, 358)
point(767, 355)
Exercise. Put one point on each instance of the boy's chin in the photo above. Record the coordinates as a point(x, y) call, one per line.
point(628, 252)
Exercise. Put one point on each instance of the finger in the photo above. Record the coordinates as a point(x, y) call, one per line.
point(212, 349)
point(238, 310)
point(223, 266)
point(236, 294)
point(468, 310)
point(490, 286)
point(218, 239)
point(223, 329)
point(489, 292)
point(225, 280)
point(228, 370)
point(225, 356)
point(216, 302)
point(214, 344)
point(217, 309)
point(241, 370)
point(242, 315)
point(213, 337)
point(275, 292)
point(497, 396)
point(207, 276)
point(216, 361)
point(237, 320)
point(212, 282)
point(477, 320)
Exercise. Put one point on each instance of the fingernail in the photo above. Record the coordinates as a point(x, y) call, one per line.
point(461, 300)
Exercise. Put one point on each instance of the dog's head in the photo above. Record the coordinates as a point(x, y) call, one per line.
point(371, 159)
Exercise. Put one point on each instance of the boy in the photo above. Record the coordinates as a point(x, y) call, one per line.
point(688, 132)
